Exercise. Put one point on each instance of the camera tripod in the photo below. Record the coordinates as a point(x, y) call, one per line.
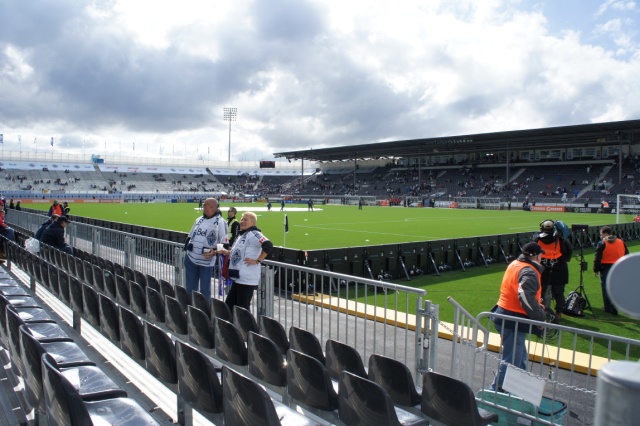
point(584, 266)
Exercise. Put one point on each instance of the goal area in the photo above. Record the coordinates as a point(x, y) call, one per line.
point(627, 207)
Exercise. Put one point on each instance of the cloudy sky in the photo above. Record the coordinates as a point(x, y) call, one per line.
point(149, 77)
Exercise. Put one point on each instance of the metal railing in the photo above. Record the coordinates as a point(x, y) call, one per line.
point(555, 357)
point(372, 316)
point(159, 258)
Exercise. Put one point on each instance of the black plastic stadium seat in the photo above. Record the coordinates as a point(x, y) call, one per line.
point(266, 361)
point(306, 342)
point(109, 318)
point(98, 278)
point(66, 354)
point(155, 305)
point(274, 330)
point(88, 272)
point(245, 402)
point(230, 345)
point(219, 309)
point(198, 382)
point(137, 298)
point(153, 283)
point(65, 405)
point(175, 316)
point(308, 382)
point(342, 357)
point(160, 354)
point(363, 402)
point(245, 321)
point(199, 328)
point(200, 301)
point(395, 378)
point(110, 285)
point(451, 401)
point(91, 305)
point(131, 334)
point(122, 290)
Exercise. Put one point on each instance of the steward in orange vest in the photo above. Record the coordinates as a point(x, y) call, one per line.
point(609, 250)
point(519, 298)
point(520, 291)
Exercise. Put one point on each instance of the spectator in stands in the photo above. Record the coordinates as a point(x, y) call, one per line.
point(519, 297)
point(7, 232)
point(54, 235)
point(45, 225)
point(18, 206)
point(608, 251)
point(207, 232)
point(11, 205)
point(233, 226)
point(249, 250)
point(558, 252)
point(55, 208)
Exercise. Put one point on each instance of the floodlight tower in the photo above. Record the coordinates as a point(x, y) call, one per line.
point(229, 114)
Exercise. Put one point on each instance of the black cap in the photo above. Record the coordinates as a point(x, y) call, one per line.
point(63, 219)
point(532, 249)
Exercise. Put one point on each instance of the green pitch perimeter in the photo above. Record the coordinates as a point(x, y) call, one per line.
point(343, 226)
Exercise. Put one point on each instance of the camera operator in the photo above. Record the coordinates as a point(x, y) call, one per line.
point(557, 252)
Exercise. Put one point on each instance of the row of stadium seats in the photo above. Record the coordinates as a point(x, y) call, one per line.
point(61, 381)
point(200, 334)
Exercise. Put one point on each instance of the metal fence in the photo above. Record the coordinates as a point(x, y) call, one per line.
point(557, 358)
point(159, 258)
point(372, 316)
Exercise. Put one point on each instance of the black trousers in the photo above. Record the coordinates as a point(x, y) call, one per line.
point(241, 295)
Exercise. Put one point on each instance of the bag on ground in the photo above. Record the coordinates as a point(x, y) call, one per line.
point(575, 304)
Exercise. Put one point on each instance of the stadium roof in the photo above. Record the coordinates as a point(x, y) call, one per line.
point(600, 134)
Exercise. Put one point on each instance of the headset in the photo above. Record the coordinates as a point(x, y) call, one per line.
point(543, 228)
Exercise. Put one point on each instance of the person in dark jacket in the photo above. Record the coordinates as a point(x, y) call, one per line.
point(45, 225)
point(558, 253)
point(520, 294)
point(54, 235)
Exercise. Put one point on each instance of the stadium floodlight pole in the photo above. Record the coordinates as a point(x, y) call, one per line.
point(229, 114)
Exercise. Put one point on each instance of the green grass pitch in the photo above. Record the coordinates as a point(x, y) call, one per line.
point(342, 226)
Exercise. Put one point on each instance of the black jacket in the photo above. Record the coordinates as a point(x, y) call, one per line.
point(54, 236)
